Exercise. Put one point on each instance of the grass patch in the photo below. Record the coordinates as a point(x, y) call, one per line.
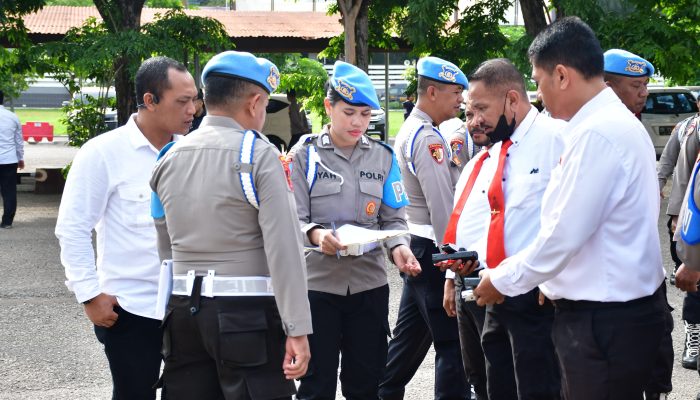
point(50, 115)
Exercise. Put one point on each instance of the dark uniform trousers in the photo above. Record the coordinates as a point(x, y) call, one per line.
point(224, 348)
point(423, 320)
point(357, 327)
point(517, 342)
point(470, 319)
point(132, 346)
point(8, 191)
point(662, 373)
point(608, 350)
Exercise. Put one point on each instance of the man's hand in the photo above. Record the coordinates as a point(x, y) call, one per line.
point(296, 357)
point(404, 259)
point(687, 279)
point(20, 164)
point(100, 310)
point(486, 293)
point(448, 299)
point(458, 266)
point(326, 240)
point(674, 222)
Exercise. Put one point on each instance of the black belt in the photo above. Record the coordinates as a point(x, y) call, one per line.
point(566, 304)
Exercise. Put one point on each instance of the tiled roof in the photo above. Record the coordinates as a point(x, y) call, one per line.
point(56, 20)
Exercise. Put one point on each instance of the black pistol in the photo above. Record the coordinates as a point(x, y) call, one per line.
point(449, 253)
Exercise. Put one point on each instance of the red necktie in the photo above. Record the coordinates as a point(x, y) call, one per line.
point(495, 247)
point(451, 231)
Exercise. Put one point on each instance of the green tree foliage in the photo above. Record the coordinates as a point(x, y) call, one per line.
point(664, 31)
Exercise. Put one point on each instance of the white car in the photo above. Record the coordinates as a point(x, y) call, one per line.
point(665, 107)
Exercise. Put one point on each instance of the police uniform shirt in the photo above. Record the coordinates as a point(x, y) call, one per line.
point(461, 144)
point(431, 190)
point(690, 147)
point(689, 254)
point(107, 189)
point(211, 225)
point(358, 201)
point(598, 239)
point(537, 146)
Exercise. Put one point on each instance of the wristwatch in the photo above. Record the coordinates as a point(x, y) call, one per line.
point(88, 301)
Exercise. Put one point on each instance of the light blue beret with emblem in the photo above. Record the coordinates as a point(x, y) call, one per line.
point(442, 71)
point(622, 62)
point(353, 85)
point(244, 66)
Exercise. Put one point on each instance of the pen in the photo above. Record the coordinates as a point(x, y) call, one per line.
point(337, 252)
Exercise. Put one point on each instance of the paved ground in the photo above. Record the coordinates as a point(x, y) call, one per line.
point(47, 348)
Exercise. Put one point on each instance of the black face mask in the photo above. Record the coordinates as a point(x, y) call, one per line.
point(503, 130)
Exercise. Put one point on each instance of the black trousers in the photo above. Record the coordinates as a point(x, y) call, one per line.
point(662, 373)
point(355, 326)
point(423, 320)
point(8, 191)
point(470, 320)
point(132, 346)
point(517, 337)
point(607, 350)
point(224, 348)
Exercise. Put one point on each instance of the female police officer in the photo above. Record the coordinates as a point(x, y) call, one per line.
point(340, 176)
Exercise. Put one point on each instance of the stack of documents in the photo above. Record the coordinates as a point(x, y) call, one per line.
point(361, 240)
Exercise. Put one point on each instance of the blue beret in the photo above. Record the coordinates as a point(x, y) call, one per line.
point(441, 71)
point(353, 85)
point(622, 62)
point(242, 65)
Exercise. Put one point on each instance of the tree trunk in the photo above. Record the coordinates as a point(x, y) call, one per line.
point(533, 14)
point(349, 9)
point(120, 16)
point(362, 37)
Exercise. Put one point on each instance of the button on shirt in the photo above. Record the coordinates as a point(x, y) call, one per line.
point(598, 239)
point(537, 146)
point(107, 189)
point(11, 142)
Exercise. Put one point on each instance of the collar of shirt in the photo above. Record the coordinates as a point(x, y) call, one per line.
point(218, 120)
point(601, 100)
point(420, 114)
point(324, 140)
point(136, 138)
point(524, 127)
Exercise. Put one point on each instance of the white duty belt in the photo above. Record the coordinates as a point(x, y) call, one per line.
point(215, 286)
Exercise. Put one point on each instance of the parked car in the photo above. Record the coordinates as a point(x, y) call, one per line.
point(377, 125)
point(110, 113)
point(695, 90)
point(278, 127)
point(665, 107)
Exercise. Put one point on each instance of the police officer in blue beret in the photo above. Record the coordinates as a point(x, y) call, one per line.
point(343, 177)
point(628, 75)
point(237, 321)
point(424, 155)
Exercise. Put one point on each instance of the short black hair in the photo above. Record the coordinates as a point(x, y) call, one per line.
point(152, 76)
point(571, 42)
point(499, 74)
point(425, 82)
point(224, 90)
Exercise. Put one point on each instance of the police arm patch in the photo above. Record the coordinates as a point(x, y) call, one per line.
point(437, 152)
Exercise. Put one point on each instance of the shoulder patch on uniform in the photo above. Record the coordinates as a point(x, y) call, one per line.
point(165, 149)
point(437, 152)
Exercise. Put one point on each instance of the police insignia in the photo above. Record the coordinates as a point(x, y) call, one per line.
point(437, 152)
point(636, 67)
point(448, 73)
point(286, 165)
point(344, 89)
point(370, 208)
point(274, 78)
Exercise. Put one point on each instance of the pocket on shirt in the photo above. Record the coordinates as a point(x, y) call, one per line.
point(528, 191)
point(136, 206)
point(370, 200)
point(324, 200)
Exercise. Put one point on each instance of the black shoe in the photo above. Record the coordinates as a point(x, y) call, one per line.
point(5, 226)
point(697, 397)
point(689, 359)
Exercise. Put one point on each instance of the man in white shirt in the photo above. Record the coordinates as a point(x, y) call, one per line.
point(11, 159)
point(597, 254)
point(497, 203)
point(107, 190)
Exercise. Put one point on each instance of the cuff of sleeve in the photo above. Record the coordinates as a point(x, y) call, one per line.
point(298, 328)
point(393, 242)
point(305, 230)
point(84, 290)
point(449, 274)
point(504, 279)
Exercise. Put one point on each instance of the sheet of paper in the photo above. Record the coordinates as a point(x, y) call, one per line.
point(361, 240)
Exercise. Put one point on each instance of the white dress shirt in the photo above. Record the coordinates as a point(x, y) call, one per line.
point(11, 142)
point(107, 189)
point(599, 239)
point(537, 146)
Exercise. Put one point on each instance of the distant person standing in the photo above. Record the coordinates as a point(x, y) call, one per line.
point(408, 106)
point(11, 159)
point(200, 110)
